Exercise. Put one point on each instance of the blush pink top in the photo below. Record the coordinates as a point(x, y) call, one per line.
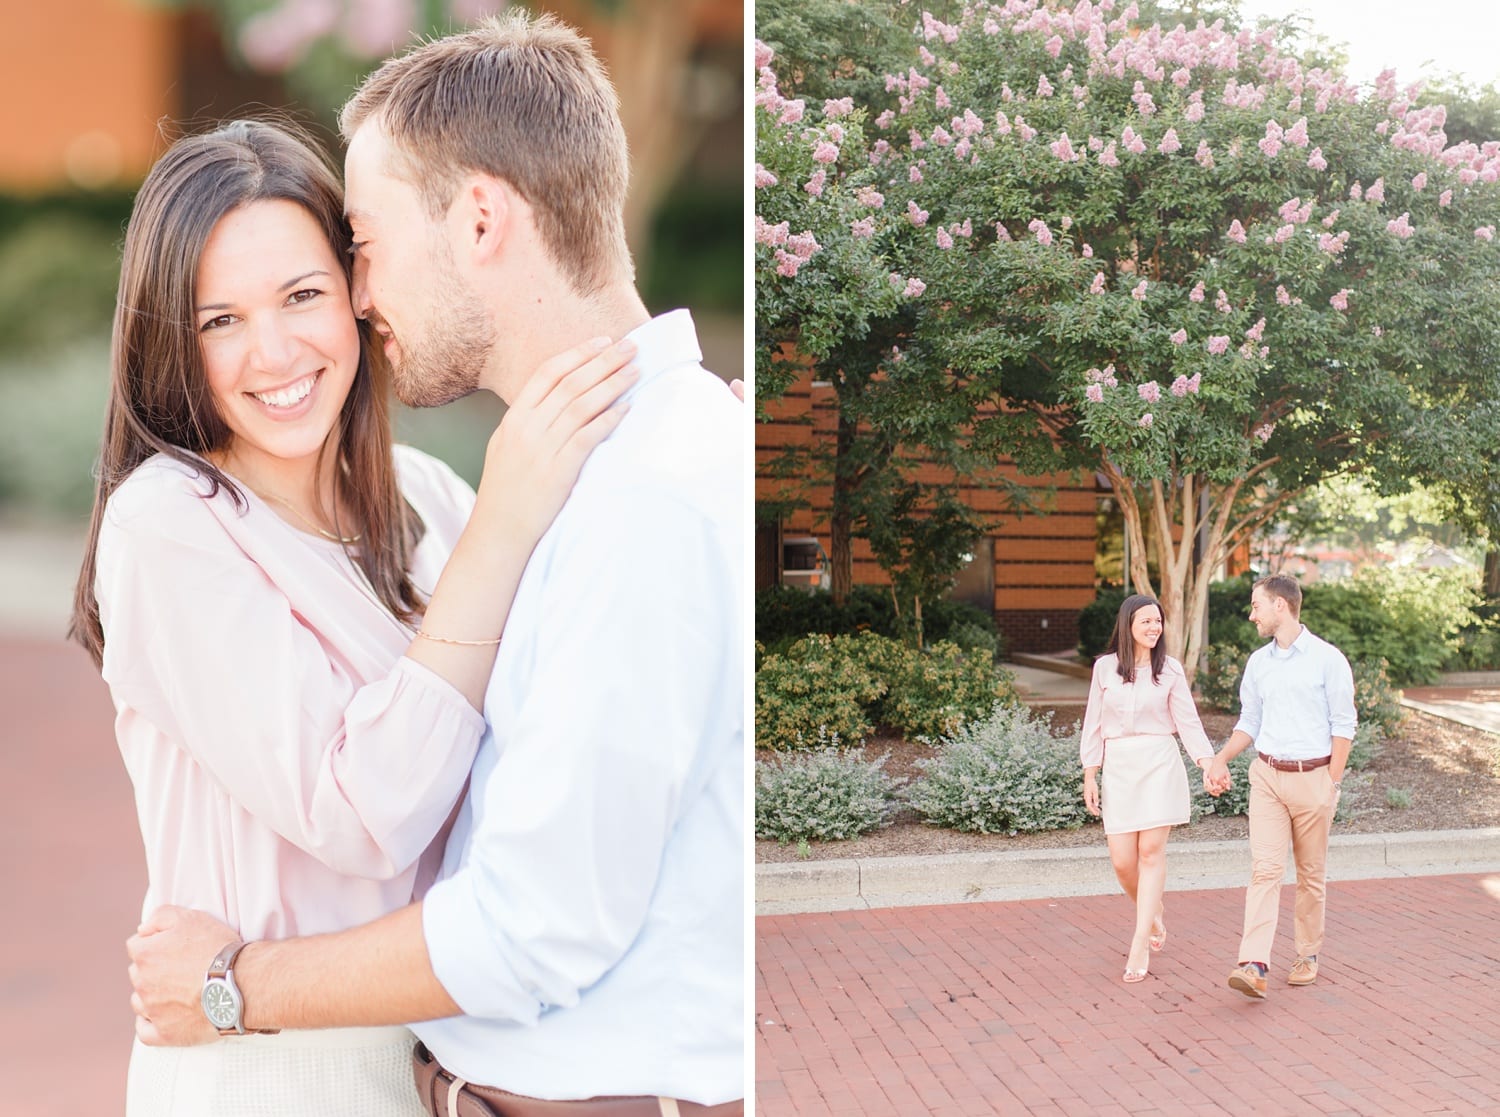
point(291, 765)
point(1120, 709)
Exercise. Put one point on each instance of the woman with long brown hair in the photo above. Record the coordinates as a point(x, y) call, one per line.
point(296, 619)
point(1138, 698)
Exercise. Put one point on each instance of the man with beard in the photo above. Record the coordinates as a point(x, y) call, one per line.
point(582, 948)
point(1297, 708)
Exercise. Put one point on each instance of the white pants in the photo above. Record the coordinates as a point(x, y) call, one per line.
point(337, 1072)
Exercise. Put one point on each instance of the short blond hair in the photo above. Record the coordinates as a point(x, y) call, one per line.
point(525, 99)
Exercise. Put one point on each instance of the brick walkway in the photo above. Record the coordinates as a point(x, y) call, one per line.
point(72, 874)
point(1018, 1008)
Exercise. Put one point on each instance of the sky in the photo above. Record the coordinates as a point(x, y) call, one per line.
point(1456, 36)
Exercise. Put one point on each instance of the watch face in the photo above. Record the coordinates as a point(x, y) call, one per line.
point(220, 1004)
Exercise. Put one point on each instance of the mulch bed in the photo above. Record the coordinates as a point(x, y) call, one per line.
point(1451, 772)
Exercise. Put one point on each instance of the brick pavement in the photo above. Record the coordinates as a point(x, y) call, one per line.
point(72, 873)
point(1018, 1008)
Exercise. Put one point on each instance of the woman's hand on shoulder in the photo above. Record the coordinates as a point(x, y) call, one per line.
point(568, 407)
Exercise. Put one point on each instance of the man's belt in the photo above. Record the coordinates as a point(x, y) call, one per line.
point(1297, 765)
point(446, 1095)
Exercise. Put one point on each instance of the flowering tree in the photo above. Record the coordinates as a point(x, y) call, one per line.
point(1220, 275)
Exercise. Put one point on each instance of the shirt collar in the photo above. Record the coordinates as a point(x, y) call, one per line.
point(1303, 643)
point(666, 341)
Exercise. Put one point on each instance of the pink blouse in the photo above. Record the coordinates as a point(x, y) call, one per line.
point(1120, 709)
point(291, 766)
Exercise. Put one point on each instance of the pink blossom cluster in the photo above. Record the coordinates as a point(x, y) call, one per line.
point(1285, 298)
point(1401, 226)
point(1138, 292)
point(1043, 86)
point(1169, 142)
point(1294, 211)
point(1221, 302)
point(1133, 143)
point(910, 288)
point(1062, 149)
point(814, 185)
point(1145, 104)
point(864, 227)
point(1419, 181)
point(1316, 161)
point(1186, 385)
point(764, 178)
point(1283, 234)
point(1039, 227)
point(1196, 294)
point(869, 196)
point(766, 233)
point(1376, 191)
point(826, 152)
point(1094, 393)
point(1097, 287)
point(1204, 155)
point(1150, 391)
point(1218, 344)
point(1178, 336)
point(1333, 245)
point(1146, 420)
point(1485, 232)
point(1264, 431)
point(1270, 143)
point(1340, 301)
point(916, 214)
point(1104, 376)
point(1236, 231)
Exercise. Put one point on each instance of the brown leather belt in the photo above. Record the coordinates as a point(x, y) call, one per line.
point(444, 1095)
point(1297, 765)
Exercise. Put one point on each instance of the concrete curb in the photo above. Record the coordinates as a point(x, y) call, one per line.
point(956, 878)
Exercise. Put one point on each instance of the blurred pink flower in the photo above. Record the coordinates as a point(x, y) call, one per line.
point(1401, 227)
point(763, 55)
point(940, 99)
point(1138, 292)
point(1179, 337)
point(1133, 143)
point(1255, 332)
point(915, 213)
point(1169, 142)
point(1445, 198)
point(1192, 384)
point(814, 185)
point(885, 119)
point(1062, 148)
point(914, 288)
point(1146, 420)
point(1053, 46)
point(1087, 252)
point(1419, 182)
point(1043, 234)
point(1095, 393)
point(1097, 287)
point(1180, 387)
point(1219, 343)
point(1296, 135)
point(1264, 431)
point(826, 152)
point(1221, 302)
point(1485, 232)
point(914, 173)
point(764, 178)
point(944, 241)
point(1236, 231)
point(1150, 391)
point(864, 227)
point(835, 109)
point(1340, 301)
point(1282, 297)
point(1316, 160)
point(1196, 294)
point(1043, 86)
point(1204, 155)
point(1108, 157)
point(1376, 192)
point(869, 196)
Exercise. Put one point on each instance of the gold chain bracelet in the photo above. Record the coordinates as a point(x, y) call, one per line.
point(423, 634)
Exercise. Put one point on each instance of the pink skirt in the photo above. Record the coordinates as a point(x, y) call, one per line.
point(1144, 784)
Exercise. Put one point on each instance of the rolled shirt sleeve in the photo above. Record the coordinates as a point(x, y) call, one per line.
point(1343, 719)
point(1251, 701)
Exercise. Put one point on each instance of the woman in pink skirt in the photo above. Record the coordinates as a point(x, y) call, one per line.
point(1139, 697)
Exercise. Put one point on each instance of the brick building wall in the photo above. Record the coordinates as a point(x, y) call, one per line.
point(1035, 572)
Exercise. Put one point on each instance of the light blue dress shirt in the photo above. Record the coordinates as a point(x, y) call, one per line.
point(589, 918)
point(1294, 700)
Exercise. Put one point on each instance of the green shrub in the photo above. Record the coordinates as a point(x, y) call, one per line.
point(1366, 746)
point(1398, 797)
point(1376, 701)
point(785, 614)
point(1408, 617)
point(1008, 774)
point(58, 277)
point(815, 685)
point(1219, 672)
point(932, 693)
point(1229, 616)
point(1478, 643)
point(828, 793)
point(1236, 800)
point(1096, 621)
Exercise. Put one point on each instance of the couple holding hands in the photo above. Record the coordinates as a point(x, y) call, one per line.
point(1296, 708)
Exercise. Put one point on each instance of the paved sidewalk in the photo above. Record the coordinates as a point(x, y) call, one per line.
point(1018, 1008)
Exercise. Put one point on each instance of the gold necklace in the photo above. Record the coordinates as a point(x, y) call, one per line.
point(345, 539)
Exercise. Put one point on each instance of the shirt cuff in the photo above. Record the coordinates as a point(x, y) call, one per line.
point(467, 954)
point(428, 679)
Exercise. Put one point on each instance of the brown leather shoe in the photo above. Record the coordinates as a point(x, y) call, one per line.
point(1304, 971)
point(1248, 980)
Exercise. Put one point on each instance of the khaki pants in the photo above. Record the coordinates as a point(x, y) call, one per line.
point(1295, 808)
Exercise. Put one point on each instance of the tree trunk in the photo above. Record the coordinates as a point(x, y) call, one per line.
point(841, 520)
point(1491, 586)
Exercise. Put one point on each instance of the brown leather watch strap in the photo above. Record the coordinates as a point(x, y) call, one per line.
point(221, 967)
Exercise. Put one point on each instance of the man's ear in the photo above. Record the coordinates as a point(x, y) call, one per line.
point(484, 211)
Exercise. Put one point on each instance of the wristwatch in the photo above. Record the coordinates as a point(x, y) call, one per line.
point(222, 1001)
